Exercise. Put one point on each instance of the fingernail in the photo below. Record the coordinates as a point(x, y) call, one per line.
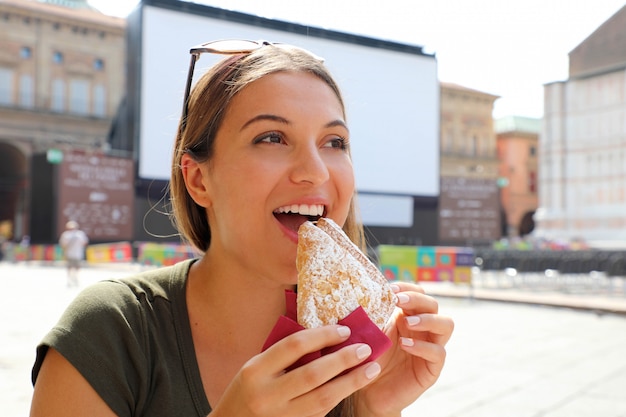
point(363, 351)
point(413, 320)
point(407, 341)
point(372, 370)
point(403, 298)
point(394, 288)
point(344, 331)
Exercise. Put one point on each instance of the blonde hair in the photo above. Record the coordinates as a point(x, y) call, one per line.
point(208, 102)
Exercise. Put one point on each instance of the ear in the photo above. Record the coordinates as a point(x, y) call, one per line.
point(195, 175)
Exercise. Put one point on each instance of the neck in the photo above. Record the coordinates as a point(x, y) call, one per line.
point(239, 307)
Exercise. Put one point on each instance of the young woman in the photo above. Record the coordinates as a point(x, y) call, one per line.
point(263, 144)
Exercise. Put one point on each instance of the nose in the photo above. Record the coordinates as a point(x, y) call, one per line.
point(309, 166)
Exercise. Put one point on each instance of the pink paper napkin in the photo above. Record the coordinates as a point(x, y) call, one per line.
point(363, 330)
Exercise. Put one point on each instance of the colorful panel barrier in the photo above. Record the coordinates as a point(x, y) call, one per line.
point(46, 253)
point(109, 252)
point(157, 254)
point(164, 253)
point(426, 263)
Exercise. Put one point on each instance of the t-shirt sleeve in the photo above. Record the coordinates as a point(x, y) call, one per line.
point(103, 335)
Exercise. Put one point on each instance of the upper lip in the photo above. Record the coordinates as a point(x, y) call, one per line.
point(302, 209)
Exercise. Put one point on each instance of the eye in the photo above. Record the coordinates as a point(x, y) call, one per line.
point(337, 142)
point(270, 137)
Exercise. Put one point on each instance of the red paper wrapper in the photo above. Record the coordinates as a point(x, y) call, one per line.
point(363, 330)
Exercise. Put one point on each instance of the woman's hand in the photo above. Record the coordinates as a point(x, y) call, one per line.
point(262, 388)
point(415, 361)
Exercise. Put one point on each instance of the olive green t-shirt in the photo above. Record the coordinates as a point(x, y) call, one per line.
point(131, 339)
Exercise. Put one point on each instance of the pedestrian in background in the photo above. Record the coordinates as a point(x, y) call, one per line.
point(73, 242)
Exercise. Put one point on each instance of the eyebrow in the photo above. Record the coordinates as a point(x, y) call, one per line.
point(282, 120)
point(261, 117)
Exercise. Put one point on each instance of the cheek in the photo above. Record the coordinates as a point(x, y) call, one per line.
point(345, 175)
point(241, 187)
point(345, 184)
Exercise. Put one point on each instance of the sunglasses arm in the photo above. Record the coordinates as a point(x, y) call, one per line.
point(192, 65)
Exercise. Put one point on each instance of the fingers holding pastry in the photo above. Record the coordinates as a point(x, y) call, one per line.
point(412, 300)
point(433, 354)
point(432, 327)
point(420, 318)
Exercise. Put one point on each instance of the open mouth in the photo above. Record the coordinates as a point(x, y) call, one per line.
point(293, 216)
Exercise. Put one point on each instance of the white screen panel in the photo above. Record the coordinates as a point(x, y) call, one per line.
point(392, 99)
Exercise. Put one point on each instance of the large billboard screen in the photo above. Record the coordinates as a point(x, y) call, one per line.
point(392, 96)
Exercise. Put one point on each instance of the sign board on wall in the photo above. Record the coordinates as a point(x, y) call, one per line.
point(469, 210)
point(97, 191)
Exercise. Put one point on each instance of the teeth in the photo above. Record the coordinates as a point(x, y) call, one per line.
point(303, 209)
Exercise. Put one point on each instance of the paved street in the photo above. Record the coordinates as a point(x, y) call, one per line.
point(506, 359)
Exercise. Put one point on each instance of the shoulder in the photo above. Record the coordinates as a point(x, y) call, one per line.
point(128, 302)
point(114, 318)
point(115, 331)
point(147, 286)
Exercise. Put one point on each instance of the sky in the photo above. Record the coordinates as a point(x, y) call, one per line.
point(509, 48)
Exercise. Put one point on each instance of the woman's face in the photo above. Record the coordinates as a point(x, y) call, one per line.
point(280, 156)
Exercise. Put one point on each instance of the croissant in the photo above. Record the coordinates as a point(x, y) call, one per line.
point(335, 278)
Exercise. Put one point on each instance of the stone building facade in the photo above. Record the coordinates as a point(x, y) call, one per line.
point(583, 143)
point(517, 144)
point(62, 79)
point(469, 207)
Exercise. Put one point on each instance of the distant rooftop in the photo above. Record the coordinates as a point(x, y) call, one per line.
point(453, 86)
point(72, 4)
point(518, 124)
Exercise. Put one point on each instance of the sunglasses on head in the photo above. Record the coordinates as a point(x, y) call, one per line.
point(226, 47)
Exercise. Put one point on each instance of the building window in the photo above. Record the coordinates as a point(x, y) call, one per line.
point(79, 96)
point(27, 93)
point(99, 101)
point(98, 64)
point(26, 52)
point(6, 86)
point(532, 151)
point(446, 145)
point(57, 57)
point(473, 151)
point(532, 182)
point(58, 96)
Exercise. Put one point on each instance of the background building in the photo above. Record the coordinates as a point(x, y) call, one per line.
point(61, 81)
point(517, 142)
point(469, 206)
point(582, 187)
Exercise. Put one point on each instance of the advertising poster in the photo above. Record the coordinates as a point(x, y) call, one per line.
point(97, 192)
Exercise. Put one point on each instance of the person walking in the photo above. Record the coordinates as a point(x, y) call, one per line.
point(73, 242)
